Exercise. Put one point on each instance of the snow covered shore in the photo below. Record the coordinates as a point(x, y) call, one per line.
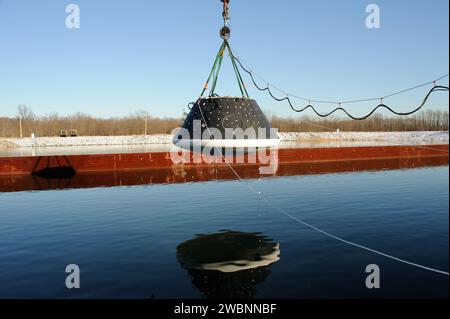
point(90, 141)
point(399, 137)
point(432, 137)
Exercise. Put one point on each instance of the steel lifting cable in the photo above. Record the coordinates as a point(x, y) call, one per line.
point(381, 105)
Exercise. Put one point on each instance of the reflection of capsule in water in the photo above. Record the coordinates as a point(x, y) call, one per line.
point(228, 264)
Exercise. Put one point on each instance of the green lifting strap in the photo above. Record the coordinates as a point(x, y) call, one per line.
point(214, 74)
point(238, 74)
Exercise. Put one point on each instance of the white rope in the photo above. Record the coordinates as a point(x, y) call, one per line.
point(357, 245)
point(250, 187)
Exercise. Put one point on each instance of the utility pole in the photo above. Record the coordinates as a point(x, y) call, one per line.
point(146, 123)
point(20, 126)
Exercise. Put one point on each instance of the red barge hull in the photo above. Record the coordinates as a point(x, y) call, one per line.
point(18, 183)
point(145, 161)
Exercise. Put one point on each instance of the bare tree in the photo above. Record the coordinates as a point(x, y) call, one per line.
point(25, 112)
point(26, 117)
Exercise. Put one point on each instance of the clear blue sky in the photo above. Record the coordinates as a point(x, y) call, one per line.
point(155, 55)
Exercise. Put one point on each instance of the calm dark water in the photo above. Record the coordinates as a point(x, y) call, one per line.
point(142, 241)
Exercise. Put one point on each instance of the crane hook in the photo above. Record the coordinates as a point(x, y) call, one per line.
point(225, 32)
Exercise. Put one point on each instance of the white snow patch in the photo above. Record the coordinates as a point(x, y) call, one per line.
point(91, 140)
point(420, 136)
point(164, 139)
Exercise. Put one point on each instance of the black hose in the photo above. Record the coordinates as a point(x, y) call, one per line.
point(309, 106)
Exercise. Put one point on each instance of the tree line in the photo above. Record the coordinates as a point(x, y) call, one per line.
point(425, 121)
point(141, 123)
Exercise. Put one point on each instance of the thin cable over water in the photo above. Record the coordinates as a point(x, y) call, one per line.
point(251, 188)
